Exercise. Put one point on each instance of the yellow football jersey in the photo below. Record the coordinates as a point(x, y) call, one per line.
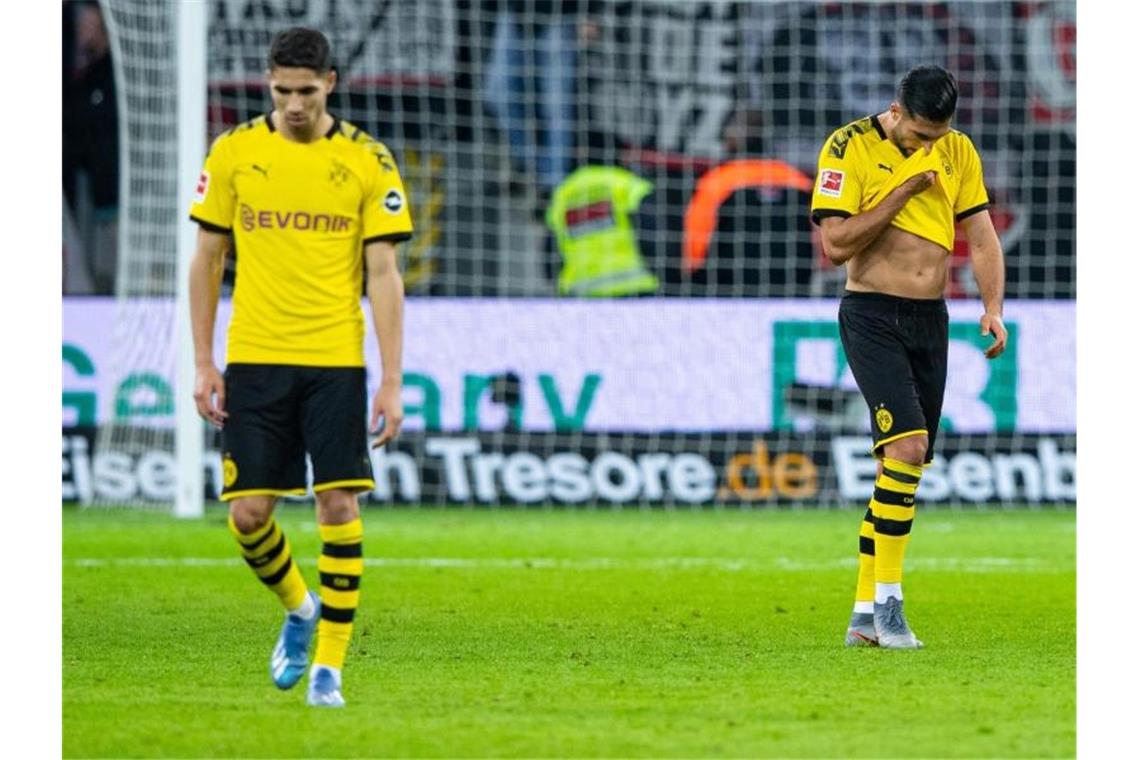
point(859, 166)
point(300, 214)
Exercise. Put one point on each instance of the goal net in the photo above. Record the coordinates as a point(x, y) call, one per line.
point(725, 383)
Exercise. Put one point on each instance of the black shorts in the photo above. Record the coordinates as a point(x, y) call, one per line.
point(277, 413)
point(897, 351)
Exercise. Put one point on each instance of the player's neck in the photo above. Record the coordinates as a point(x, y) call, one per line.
point(323, 125)
point(888, 120)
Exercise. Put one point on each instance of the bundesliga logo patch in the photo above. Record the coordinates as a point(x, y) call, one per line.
point(203, 187)
point(393, 201)
point(831, 183)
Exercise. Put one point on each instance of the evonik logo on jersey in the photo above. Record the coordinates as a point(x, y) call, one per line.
point(304, 221)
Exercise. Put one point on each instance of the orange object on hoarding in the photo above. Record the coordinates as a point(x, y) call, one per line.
point(716, 186)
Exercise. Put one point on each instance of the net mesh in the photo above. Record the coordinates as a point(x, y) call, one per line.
point(492, 105)
point(136, 419)
point(722, 107)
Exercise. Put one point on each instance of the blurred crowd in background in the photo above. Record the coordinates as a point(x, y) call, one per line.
point(718, 108)
point(90, 153)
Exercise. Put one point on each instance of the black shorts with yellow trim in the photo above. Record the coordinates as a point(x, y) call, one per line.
point(278, 413)
point(897, 349)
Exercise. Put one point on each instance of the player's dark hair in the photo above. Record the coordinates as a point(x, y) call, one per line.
point(929, 92)
point(300, 48)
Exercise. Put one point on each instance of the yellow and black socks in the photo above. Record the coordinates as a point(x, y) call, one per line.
point(892, 507)
point(341, 564)
point(865, 586)
point(266, 551)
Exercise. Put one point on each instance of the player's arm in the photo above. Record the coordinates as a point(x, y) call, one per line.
point(205, 286)
point(846, 237)
point(213, 210)
point(988, 262)
point(385, 289)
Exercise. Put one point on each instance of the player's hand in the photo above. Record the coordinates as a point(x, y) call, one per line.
point(992, 325)
point(921, 182)
point(210, 395)
point(386, 404)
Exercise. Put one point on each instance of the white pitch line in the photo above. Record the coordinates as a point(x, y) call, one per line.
point(790, 564)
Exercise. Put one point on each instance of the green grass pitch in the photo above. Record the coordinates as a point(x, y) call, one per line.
point(578, 633)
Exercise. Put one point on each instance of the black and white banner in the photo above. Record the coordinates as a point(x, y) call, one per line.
point(370, 41)
point(631, 469)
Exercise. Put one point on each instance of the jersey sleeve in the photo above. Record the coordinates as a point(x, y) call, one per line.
point(972, 196)
point(838, 187)
point(386, 215)
point(213, 204)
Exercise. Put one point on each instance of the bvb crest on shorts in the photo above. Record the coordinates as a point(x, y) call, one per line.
point(229, 471)
point(884, 419)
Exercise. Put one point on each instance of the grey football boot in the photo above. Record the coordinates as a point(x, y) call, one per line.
point(891, 627)
point(861, 631)
point(324, 688)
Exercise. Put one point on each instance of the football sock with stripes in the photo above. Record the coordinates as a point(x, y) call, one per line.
point(267, 552)
point(341, 564)
point(892, 507)
point(865, 586)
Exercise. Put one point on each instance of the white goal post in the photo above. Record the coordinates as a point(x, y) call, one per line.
point(188, 440)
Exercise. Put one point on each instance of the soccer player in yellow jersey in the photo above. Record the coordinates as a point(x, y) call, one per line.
point(889, 190)
point(314, 208)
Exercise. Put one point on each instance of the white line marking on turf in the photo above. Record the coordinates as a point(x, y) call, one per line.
point(930, 564)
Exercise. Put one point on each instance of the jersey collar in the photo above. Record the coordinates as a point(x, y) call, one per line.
point(878, 127)
point(328, 135)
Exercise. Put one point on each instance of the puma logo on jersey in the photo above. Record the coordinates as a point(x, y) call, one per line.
point(884, 166)
point(264, 171)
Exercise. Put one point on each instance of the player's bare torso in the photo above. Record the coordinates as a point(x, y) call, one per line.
point(901, 264)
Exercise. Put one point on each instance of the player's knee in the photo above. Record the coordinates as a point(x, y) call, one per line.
point(911, 449)
point(251, 513)
point(337, 507)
